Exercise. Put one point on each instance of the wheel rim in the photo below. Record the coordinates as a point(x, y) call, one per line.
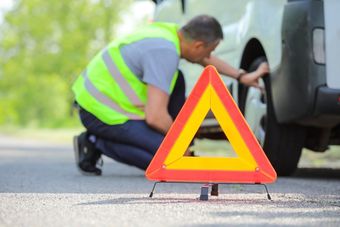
point(256, 112)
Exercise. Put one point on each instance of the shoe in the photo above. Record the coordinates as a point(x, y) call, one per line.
point(86, 155)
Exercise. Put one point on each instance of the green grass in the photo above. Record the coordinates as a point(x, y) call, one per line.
point(328, 159)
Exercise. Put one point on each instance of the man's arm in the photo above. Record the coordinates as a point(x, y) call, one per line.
point(156, 110)
point(249, 79)
point(221, 66)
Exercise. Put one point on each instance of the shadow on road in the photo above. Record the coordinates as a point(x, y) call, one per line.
point(189, 198)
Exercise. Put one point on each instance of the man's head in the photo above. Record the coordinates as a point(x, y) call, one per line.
point(199, 37)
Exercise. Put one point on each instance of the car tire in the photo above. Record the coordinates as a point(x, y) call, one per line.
point(282, 143)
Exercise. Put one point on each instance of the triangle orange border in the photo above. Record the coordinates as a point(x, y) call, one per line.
point(264, 173)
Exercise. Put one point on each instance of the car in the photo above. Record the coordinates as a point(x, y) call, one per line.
point(300, 39)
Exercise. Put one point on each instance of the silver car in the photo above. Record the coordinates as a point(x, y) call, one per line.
point(300, 39)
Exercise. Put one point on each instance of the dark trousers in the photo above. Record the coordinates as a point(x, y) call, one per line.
point(134, 142)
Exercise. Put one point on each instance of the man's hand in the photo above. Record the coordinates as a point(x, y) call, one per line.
point(252, 79)
point(248, 79)
point(263, 68)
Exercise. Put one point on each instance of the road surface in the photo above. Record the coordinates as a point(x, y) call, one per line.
point(40, 186)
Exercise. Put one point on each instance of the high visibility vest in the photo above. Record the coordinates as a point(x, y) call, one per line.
point(109, 89)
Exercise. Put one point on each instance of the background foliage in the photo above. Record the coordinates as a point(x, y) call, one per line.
point(44, 45)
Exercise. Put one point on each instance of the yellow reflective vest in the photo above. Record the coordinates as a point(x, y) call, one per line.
point(109, 89)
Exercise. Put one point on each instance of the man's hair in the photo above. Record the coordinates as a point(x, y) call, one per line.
point(203, 28)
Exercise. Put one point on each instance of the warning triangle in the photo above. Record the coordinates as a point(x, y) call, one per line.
point(251, 164)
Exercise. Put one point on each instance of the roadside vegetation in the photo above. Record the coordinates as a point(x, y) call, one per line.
point(44, 46)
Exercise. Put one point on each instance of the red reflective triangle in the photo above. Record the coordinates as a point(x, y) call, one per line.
point(258, 171)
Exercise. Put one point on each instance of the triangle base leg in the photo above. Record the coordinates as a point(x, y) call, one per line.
point(153, 189)
point(268, 195)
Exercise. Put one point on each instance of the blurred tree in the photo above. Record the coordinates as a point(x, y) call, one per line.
point(44, 45)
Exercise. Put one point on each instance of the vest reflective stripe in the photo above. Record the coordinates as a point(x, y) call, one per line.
point(104, 99)
point(117, 76)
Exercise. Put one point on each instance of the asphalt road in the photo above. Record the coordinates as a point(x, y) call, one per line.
point(40, 186)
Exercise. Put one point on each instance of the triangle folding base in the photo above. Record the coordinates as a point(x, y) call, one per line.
point(251, 164)
point(205, 189)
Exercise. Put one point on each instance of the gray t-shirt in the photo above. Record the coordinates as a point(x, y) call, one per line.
point(153, 60)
